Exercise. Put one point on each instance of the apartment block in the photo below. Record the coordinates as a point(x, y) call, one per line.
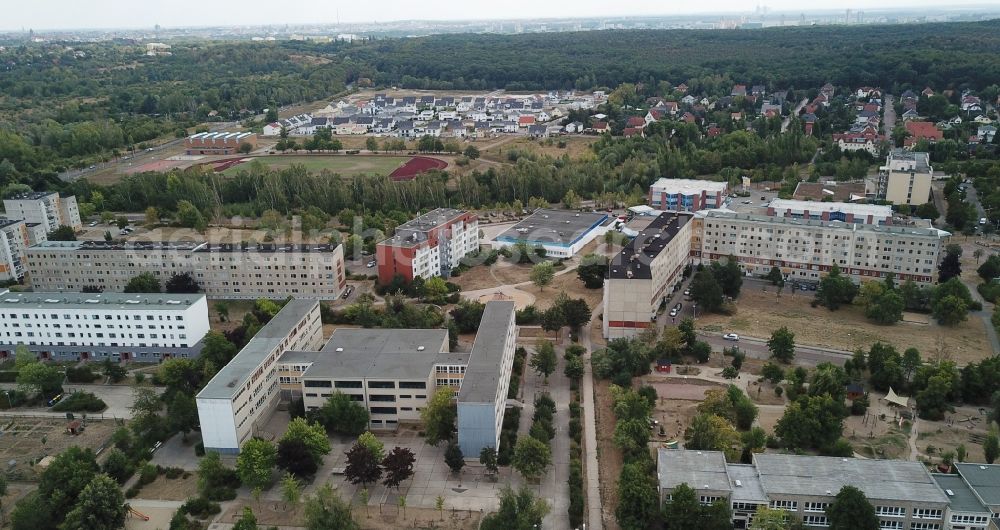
point(644, 273)
point(905, 178)
point(687, 195)
point(14, 237)
point(392, 373)
point(847, 212)
point(905, 495)
point(96, 327)
point(243, 394)
point(231, 271)
point(430, 245)
point(46, 208)
point(805, 250)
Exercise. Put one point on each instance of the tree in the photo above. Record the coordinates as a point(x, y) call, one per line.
point(121, 222)
point(531, 457)
point(313, 435)
point(774, 276)
point(575, 311)
point(182, 412)
point(291, 490)
point(33, 512)
point(488, 459)
point(770, 519)
point(340, 414)
point(811, 422)
point(951, 265)
point(638, 500)
point(117, 465)
point(553, 319)
point(143, 282)
point(436, 291)
point(472, 152)
point(439, 416)
point(40, 378)
point(782, 345)
point(571, 200)
point(453, 457)
point(850, 510)
point(991, 446)
point(151, 217)
point(990, 268)
point(256, 463)
point(213, 475)
point(362, 465)
point(574, 368)
point(247, 520)
point(835, 290)
point(398, 466)
point(886, 308)
point(371, 144)
point(295, 457)
point(709, 432)
point(100, 506)
point(542, 274)
point(544, 359)
point(326, 511)
point(373, 444)
point(683, 510)
point(182, 283)
point(950, 310)
point(519, 510)
point(729, 275)
point(62, 483)
point(706, 291)
point(62, 233)
point(772, 372)
point(189, 216)
point(591, 271)
point(631, 435)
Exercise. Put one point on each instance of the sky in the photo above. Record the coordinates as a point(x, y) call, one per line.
point(82, 14)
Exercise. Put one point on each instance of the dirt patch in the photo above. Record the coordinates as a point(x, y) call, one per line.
point(847, 329)
point(25, 441)
point(391, 517)
point(501, 273)
point(166, 489)
point(567, 283)
point(611, 459)
point(159, 517)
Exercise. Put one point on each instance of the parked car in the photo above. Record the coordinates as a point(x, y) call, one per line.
point(731, 336)
point(687, 292)
point(92, 224)
point(678, 307)
point(673, 313)
point(371, 264)
point(348, 291)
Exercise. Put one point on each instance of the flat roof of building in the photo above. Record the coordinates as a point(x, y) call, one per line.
point(633, 260)
point(984, 479)
point(961, 498)
point(232, 376)
point(182, 246)
point(688, 186)
point(144, 302)
point(891, 480)
point(787, 221)
point(882, 211)
point(920, 159)
point(414, 231)
point(483, 373)
point(746, 483)
point(698, 469)
point(553, 227)
point(31, 196)
point(839, 191)
point(5, 222)
point(381, 354)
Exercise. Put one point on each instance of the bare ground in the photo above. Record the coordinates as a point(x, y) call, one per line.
point(758, 314)
point(166, 489)
point(386, 518)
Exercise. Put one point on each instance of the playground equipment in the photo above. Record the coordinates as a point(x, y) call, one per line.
point(132, 512)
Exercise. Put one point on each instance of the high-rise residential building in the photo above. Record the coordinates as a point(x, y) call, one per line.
point(806, 250)
point(14, 237)
point(98, 327)
point(905, 178)
point(848, 212)
point(46, 208)
point(234, 271)
point(644, 273)
point(430, 245)
point(687, 195)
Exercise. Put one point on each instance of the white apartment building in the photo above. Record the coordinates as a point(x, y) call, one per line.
point(643, 274)
point(14, 237)
point(392, 373)
point(805, 250)
point(46, 208)
point(120, 327)
point(848, 212)
point(905, 178)
point(244, 393)
point(222, 271)
point(430, 245)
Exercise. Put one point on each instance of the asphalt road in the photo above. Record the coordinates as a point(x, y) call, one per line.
point(757, 349)
point(889, 116)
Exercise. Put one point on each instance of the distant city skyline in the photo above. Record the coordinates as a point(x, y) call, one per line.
point(108, 14)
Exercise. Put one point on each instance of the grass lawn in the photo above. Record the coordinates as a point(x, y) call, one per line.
point(346, 165)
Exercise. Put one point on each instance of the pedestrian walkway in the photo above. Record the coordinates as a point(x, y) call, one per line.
point(593, 485)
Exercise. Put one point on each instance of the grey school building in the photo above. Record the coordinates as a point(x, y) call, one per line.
point(905, 495)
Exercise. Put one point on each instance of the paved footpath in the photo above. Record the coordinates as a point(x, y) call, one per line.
point(593, 485)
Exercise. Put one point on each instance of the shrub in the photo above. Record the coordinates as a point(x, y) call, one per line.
point(173, 472)
point(199, 449)
point(80, 402)
point(82, 374)
point(200, 507)
point(147, 474)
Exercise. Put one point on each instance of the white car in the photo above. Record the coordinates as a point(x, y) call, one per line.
point(731, 336)
point(371, 264)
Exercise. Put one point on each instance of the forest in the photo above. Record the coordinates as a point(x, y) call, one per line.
point(67, 104)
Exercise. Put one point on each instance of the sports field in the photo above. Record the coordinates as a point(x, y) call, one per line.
point(346, 165)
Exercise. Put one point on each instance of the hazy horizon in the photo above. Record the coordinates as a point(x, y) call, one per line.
point(41, 15)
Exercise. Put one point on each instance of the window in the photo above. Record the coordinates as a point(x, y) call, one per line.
point(383, 410)
point(925, 526)
point(347, 384)
point(890, 511)
point(708, 499)
point(815, 520)
point(412, 384)
point(819, 507)
point(926, 513)
point(316, 384)
point(969, 519)
point(785, 505)
point(381, 397)
point(890, 525)
point(381, 384)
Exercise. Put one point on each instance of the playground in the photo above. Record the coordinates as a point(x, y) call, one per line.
point(149, 515)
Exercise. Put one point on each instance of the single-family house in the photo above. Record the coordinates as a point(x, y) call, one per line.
point(633, 131)
point(986, 133)
point(654, 115)
point(688, 100)
point(983, 119)
point(544, 116)
point(921, 130)
point(927, 92)
point(682, 88)
point(758, 90)
point(688, 117)
point(526, 120)
point(635, 121)
point(272, 129)
point(574, 127)
point(537, 131)
point(600, 127)
point(739, 91)
point(671, 107)
point(911, 114)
